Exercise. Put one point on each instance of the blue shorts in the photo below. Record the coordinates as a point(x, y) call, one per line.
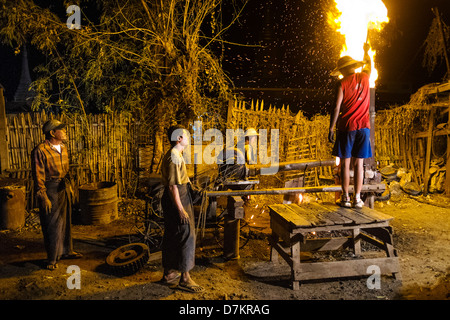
point(354, 144)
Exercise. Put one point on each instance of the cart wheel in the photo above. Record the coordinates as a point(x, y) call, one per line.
point(128, 259)
point(148, 232)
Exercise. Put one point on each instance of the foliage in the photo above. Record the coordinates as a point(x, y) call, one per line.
point(403, 118)
point(153, 57)
point(435, 43)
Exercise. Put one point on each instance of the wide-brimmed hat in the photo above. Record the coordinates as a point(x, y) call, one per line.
point(345, 62)
point(52, 124)
point(251, 132)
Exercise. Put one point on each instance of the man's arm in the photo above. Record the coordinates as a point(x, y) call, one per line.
point(335, 113)
point(38, 173)
point(368, 62)
point(184, 217)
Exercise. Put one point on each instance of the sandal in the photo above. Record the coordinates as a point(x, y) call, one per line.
point(193, 288)
point(72, 255)
point(52, 266)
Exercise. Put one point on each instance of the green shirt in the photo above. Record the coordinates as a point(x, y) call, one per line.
point(173, 168)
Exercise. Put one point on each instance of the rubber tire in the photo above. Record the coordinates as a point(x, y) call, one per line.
point(131, 266)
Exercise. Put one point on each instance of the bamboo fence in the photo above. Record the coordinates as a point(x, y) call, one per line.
point(300, 138)
point(115, 147)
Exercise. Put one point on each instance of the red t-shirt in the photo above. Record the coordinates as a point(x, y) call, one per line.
point(355, 104)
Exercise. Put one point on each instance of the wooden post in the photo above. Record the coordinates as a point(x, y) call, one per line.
point(426, 169)
point(447, 174)
point(356, 239)
point(4, 160)
point(231, 236)
point(230, 112)
point(231, 232)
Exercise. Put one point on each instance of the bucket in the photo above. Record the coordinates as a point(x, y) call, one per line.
point(12, 205)
point(98, 202)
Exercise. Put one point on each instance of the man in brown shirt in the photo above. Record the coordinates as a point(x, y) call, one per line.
point(178, 246)
point(50, 167)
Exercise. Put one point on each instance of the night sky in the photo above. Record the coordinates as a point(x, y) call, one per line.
point(298, 49)
point(303, 49)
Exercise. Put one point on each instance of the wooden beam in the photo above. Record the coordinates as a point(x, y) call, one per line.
point(346, 268)
point(4, 160)
point(426, 169)
point(447, 176)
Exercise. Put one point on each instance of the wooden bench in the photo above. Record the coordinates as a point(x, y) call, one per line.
point(291, 224)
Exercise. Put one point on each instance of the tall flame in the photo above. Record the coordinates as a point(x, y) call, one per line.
point(355, 19)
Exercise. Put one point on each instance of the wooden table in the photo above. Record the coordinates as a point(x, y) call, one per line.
point(292, 223)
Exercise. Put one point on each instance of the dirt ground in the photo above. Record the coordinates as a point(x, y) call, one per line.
point(421, 236)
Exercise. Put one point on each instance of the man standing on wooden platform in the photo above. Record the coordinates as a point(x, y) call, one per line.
point(50, 168)
point(351, 114)
point(178, 245)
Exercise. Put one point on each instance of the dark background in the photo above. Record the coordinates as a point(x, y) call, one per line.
point(291, 50)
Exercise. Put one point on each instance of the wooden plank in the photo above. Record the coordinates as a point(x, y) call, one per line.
point(355, 216)
point(326, 244)
point(373, 241)
point(279, 249)
point(312, 213)
point(348, 213)
point(331, 214)
point(281, 228)
point(337, 210)
point(289, 216)
point(373, 214)
point(346, 268)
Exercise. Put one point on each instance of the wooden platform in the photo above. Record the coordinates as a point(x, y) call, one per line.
point(291, 224)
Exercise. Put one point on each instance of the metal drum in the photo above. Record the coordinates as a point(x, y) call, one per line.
point(12, 205)
point(98, 202)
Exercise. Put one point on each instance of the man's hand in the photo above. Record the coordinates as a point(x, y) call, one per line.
point(184, 216)
point(331, 136)
point(47, 206)
point(366, 48)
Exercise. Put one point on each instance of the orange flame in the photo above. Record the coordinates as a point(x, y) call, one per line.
point(355, 19)
point(299, 198)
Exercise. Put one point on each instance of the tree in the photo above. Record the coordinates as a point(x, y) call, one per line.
point(436, 44)
point(154, 58)
point(141, 53)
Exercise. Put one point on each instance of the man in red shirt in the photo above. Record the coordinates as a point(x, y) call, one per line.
point(351, 114)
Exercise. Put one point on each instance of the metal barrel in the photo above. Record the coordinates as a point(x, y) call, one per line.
point(12, 207)
point(98, 202)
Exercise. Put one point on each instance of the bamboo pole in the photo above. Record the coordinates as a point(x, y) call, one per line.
point(254, 170)
point(333, 188)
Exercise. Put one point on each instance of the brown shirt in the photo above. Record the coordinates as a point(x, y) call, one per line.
point(48, 164)
point(173, 168)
